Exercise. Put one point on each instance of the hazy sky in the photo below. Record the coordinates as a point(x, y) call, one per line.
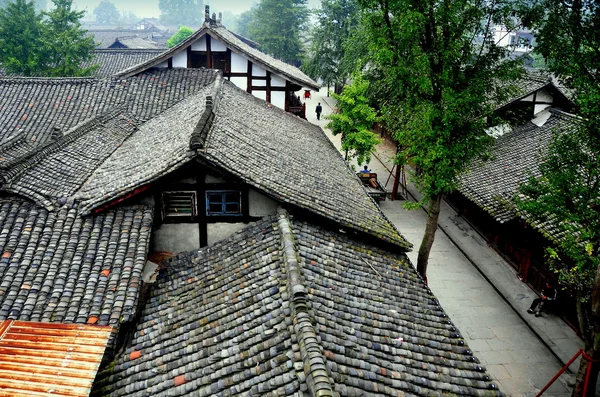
point(149, 8)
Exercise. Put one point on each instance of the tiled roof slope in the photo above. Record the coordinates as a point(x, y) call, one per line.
point(234, 42)
point(105, 37)
point(32, 110)
point(287, 308)
point(111, 62)
point(135, 43)
point(516, 155)
point(112, 155)
point(283, 155)
point(530, 82)
point(59, 267)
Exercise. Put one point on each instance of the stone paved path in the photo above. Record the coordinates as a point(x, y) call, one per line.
point(513, 355)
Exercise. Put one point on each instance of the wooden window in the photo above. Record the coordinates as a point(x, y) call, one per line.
point(223, 203)
point(220, 61)
point(179, 204)
point(197, 59)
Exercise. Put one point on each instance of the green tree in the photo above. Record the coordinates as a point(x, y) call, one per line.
point(181, 12)
point(66, 46)
point(277, 25)
point(106, 13)
point(242, 21)
point(183, 33)
point(354, 119)
point(568, 191)
point(20, 38)
point(431, 79)
point(336, 22)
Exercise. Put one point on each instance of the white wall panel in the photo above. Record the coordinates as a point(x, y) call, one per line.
point(165, 64)
point(241, 82)
point(259, 83)
point(260, 94)
point(258, 71)
point(180, 59)
point(217, 45)
point(278, 99)
point(200, 44)
point(239, 63)
point(277, 81)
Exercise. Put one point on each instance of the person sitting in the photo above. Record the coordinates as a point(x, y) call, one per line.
point(365, 170)
point(548, 296)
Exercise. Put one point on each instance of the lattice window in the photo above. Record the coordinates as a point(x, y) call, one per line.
point(179, 204)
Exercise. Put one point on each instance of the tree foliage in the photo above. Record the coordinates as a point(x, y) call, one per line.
point(106, 13)
point(568, 191)
point(431, 79)
point(47, 44)
point(277, 26)
point(20, 38)
point(243, 21)
point(354, 119)
point(337, 20)
point(66, 46)
point(181, 12)
point(183, 33)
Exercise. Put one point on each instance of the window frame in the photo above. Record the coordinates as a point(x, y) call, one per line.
point(223, 193)
point(175, 216)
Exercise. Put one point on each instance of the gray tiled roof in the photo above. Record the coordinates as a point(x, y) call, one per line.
point(59, 267)
point(286, 307)
point(105, 37)
point(34, 108)
point(516, 155)
point(236, 44)
point(134, 43)
point(113, 61)
point(292, 160)
point(138, 142)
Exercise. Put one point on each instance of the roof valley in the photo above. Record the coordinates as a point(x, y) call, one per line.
point(315, 369)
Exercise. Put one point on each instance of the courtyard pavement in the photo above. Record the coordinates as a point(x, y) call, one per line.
point(479, 290)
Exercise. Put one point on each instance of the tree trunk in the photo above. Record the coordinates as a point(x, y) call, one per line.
point(580, 378)
point(433, 214)
point(589, 326)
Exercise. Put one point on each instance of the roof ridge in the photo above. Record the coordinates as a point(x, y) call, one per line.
point(199, 137)
point(314, 366)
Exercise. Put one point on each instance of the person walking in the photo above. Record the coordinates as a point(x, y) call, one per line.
point(318, 110)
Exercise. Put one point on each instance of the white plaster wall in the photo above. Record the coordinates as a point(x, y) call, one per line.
point(176, 237)
point(261, 205)
point(540, 108)
point(180, 59)
point(277, 81)
point(239, 63)
point(528, 98)
point(541, 118)
point(260, 94)
point(258, 71)
point(220, 231)
point(278, 99)
point(544, 96)
point(200, 44)
point(217, 45)
point(164, 65)
point(259, 83)
point(240, 82)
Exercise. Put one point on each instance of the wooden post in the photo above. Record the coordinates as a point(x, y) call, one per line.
point(209, 60)
point(249, 83)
